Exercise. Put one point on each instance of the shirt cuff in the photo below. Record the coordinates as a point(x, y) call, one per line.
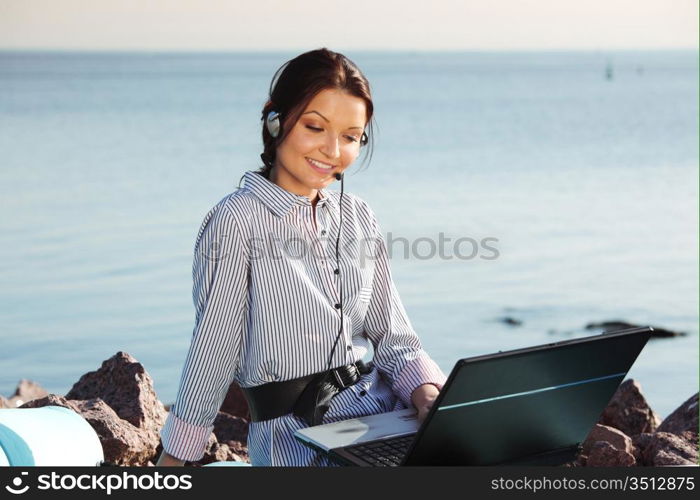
point(182, 440)
point(419, 371)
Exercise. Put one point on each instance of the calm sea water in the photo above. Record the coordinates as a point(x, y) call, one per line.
point(589, 186)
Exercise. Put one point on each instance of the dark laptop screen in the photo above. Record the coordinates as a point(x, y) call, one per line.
point(513, 405)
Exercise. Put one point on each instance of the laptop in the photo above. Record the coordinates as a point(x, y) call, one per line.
point(531, 406)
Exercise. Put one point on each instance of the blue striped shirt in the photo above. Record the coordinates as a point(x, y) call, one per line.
point(266, 290)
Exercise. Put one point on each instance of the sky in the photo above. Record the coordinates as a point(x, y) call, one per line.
point(253, 25)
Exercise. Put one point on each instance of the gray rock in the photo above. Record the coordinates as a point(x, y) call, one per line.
point(684, 420)
point(664, 448)
point(221, 452)
point(629, 412)
point(640, 443)
point(49, 400)
point(603, 454)
point(615, 437)
point(122, 442)
point(510, 321)
point(26, 391)
point(123, 383)
point(229, 428)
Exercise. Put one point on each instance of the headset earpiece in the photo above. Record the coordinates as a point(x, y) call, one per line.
point(272, 122)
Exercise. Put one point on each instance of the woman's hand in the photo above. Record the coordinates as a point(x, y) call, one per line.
point(167, 460)
point(423, 398)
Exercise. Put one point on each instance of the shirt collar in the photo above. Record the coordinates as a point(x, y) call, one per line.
point(279, 200)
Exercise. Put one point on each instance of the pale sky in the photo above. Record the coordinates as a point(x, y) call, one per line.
point(348, 24)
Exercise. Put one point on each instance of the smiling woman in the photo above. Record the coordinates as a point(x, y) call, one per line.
point(325, 105)
point(324, 141)
point(291, 330)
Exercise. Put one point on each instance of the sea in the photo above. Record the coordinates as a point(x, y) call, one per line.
point(523, 196)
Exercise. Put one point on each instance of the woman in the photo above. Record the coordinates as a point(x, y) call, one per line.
point(292, 283)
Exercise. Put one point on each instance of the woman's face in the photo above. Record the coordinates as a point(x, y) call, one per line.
point(324, 141)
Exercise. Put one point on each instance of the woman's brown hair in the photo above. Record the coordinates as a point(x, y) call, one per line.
point(297, 81)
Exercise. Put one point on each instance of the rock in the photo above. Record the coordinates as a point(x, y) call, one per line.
point(232, 436)
point(235, 403)
point(684, 420)
point(616, 325)
point(664, 448)
point(628, 411)
point(123, 383)
point(122, 442)
point(507, 320)
point(603, 454)
point(50, 400)
point(220, 452)
point(640, 443)
point(26, 391)
point(227, 443)
point(238, 449)
point(229, 428)
point(615, 437)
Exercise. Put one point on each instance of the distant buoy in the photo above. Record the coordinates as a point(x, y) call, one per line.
point(609, 72)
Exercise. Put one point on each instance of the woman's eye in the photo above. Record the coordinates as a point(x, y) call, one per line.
point(349, 138)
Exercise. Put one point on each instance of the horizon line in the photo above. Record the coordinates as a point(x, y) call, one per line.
point(365, 50)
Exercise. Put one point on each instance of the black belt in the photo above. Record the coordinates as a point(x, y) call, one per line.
point(307, 397)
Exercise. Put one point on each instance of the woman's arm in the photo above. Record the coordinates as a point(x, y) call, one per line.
point(220, 292)
point(167, 460)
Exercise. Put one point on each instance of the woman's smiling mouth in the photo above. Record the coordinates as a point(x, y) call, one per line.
point(321, 167)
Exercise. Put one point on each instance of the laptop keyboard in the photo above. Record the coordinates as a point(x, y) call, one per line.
point(386, 453)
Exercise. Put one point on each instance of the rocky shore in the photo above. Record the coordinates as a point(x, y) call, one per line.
point(119, 402)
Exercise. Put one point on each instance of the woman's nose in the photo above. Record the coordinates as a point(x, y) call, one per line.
point(331, 147)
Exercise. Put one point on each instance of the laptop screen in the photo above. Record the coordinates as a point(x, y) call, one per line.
point(512, 405)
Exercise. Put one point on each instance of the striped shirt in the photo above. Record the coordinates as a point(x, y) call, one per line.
point(267, 293)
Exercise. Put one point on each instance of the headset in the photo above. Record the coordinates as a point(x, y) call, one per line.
point(272, 123)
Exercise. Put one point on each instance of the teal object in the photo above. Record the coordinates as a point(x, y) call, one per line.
point(228, 464)
point(47, 436)
point(13, 449)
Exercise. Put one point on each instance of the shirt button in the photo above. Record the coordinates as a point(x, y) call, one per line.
point(336, 271)
point(349, 348)
point(323, 231)
point(337, 306)
point(363, 393)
